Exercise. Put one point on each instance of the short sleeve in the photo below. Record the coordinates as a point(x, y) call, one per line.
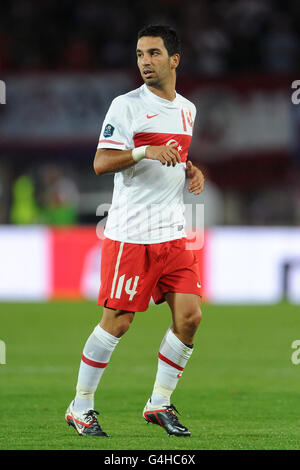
point(195, 111)
point(116, 129)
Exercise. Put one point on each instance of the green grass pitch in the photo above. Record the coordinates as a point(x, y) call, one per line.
point(240, 389)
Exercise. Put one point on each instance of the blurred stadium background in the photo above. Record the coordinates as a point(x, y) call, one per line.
point(64, 61)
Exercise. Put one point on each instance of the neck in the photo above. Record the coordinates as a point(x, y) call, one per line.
point(166, 94)
point(166, 91)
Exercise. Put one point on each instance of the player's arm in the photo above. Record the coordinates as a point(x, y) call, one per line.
point(196, 177)
point(111, 160)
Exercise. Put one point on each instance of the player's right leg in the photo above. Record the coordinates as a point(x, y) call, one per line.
point(125, 289)
point(96, 355)
point(116, 322)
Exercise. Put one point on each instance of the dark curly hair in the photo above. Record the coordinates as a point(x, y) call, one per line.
point(168, 35)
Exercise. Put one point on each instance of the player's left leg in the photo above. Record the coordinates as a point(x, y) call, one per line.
point(174, 353)
point(186, 314)
point(177, 345)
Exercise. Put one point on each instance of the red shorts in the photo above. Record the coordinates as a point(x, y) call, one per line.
point(132, 273)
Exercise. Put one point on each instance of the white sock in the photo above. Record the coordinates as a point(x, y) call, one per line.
point(172, 359)
point(96, 355)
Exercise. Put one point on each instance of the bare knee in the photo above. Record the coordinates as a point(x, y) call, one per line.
point(116, 322)
point(185, 325)
point(123, 321)
point(192, 318)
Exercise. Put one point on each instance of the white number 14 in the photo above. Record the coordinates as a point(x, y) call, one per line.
point(131, 291)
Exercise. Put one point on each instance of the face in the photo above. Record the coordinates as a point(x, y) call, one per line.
point(154, 63)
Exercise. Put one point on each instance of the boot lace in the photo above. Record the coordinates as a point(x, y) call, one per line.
point(91, 418)
point(172, 408)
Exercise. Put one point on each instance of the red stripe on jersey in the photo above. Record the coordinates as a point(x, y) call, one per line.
point(111, 142)
point(183, 120)
point(99, 365)
point(165, 359)
point(160, 138)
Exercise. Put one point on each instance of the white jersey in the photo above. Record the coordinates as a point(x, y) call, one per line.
point(147, 204)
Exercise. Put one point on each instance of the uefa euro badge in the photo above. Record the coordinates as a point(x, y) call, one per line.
point(109, 130)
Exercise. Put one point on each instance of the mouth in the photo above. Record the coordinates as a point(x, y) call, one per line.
point(147, 73)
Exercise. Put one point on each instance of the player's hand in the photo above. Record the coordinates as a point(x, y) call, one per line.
point(196, 176)
point(166, 154)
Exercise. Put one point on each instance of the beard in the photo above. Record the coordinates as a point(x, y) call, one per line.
point(154, 82)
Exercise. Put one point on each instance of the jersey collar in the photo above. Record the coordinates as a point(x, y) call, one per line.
point(157, 99)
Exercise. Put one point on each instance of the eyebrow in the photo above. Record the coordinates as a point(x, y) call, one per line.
point(150, 50)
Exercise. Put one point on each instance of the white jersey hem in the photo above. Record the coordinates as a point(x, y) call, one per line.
point(143, 242)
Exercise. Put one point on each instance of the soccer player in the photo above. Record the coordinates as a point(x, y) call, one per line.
point(145, 139)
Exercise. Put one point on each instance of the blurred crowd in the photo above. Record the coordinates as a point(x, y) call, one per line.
point(218, 36)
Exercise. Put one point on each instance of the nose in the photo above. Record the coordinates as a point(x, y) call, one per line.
point(145, 59)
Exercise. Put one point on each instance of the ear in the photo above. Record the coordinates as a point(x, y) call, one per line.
point(175, 59)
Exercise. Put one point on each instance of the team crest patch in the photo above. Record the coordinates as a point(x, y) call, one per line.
point(109, 130)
